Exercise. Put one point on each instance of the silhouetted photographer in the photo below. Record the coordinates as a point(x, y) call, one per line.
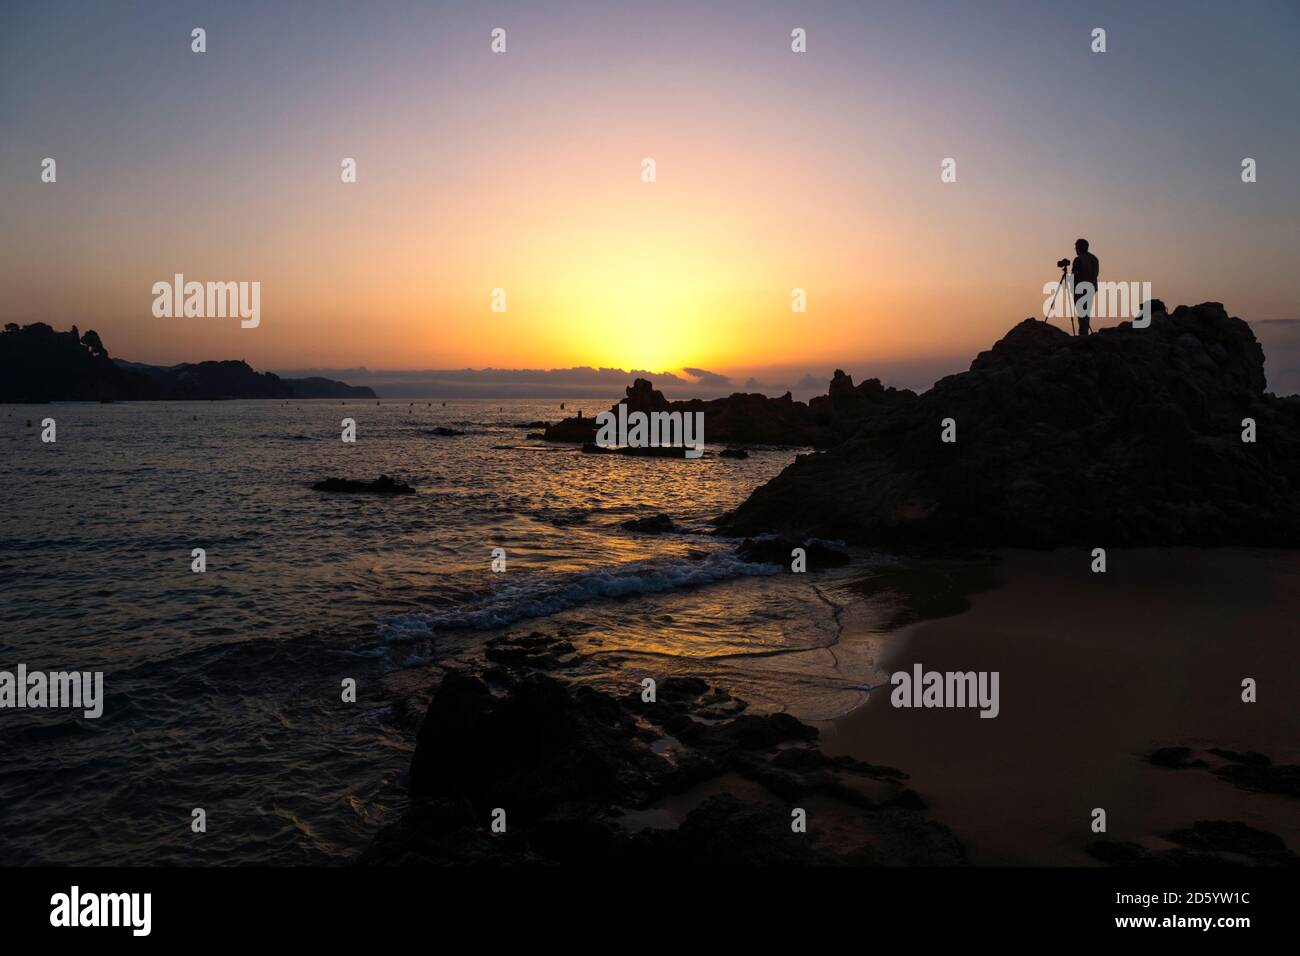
point(1085, 268)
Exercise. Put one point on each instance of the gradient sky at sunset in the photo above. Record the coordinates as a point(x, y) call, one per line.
point(522, 171)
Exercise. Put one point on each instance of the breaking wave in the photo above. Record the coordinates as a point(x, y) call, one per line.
point(542, 595)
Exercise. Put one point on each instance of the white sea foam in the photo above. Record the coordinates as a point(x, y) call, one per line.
point(543, 594)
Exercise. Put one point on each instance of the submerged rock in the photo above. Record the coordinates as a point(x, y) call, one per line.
point(383, 485)
point(655, 524)
point(648, 451)
point(1127, 437)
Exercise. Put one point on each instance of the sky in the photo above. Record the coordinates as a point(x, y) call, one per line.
point(522, 171)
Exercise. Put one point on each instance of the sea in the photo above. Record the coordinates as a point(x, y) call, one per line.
point(224, 690)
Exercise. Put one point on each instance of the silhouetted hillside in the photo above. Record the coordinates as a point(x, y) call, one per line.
point(38, 364)
point(316, 387)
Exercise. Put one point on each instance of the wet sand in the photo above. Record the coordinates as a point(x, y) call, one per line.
point(1097, 671)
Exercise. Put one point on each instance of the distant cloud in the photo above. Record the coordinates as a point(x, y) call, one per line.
point(812, 381)
point(767, 388)
point(559, 383)
point(708, 378)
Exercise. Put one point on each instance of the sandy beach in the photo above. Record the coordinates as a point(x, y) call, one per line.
point(1097, 671)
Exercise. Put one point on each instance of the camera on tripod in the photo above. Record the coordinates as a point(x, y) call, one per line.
point(1063, 264)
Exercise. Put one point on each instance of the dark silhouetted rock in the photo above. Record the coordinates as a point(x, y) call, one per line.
point(655, 524)
point(536, 650)
point(1247, 770)
point(1250, 757)
point(443, 431)
point(733, 453)
point(1175, 758)
point(1126, 853)
point(779, 551)
point(383, 485)
point(1282, 779)
point(1129, 436)
point(1216, 843)
point(568, 763)
point(1231, 836)
point(531, 750)
point(645, 451)
point(580, 431)
point(755, 419)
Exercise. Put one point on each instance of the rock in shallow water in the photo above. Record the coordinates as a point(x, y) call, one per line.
point(383, 485)
point(654, 524)
point(568, 763)
point(756, 419)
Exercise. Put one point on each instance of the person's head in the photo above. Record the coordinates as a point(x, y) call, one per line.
point(1081, 246)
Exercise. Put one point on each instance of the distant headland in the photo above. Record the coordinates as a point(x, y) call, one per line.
point(40, 364)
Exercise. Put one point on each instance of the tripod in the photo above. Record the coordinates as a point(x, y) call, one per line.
point(1059, 286)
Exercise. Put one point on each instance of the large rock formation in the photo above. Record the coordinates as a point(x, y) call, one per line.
point(751, 418)
point(587, 777)
point(1127, 437)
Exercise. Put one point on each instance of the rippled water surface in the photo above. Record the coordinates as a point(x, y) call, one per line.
point(223, 688)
